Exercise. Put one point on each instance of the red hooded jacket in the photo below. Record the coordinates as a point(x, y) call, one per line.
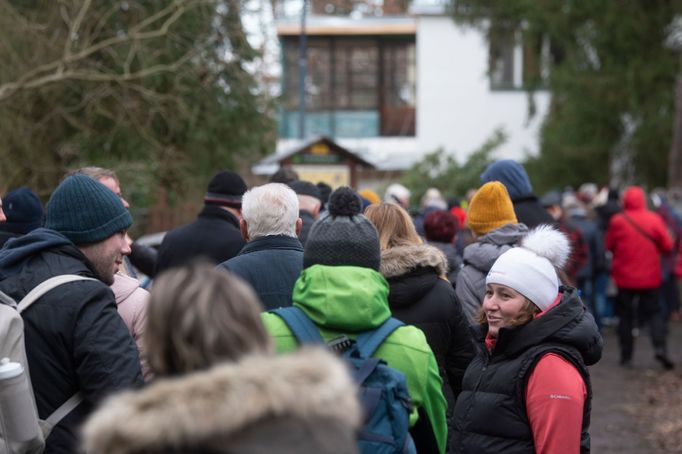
point(636, 258)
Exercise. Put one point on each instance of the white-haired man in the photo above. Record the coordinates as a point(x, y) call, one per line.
point(272, 259)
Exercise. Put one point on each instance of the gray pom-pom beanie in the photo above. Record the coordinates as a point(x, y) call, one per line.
point(343, 236)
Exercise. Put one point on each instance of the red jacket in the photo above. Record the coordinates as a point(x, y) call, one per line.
point(636, 258)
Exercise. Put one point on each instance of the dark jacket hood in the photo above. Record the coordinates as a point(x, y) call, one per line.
point(411, 272)
point(17, 250)
point(511, 174)
point(634, 198)
point(567, 323)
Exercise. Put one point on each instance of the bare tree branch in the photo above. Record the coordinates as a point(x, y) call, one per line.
point(75, 27)
point(15, 15)
point(34, 78)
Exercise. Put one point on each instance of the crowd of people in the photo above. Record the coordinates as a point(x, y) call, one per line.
point(499, 300)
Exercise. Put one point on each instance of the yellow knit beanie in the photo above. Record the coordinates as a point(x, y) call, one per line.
point(490, 208)
point(370, 195)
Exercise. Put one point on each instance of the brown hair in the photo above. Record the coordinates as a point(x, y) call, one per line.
point(394, 225)
point(199, 315)
point(527, 314)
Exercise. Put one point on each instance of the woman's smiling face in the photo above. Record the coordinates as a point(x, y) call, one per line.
point(501, 305)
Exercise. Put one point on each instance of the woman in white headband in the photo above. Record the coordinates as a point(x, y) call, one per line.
point(528, 389)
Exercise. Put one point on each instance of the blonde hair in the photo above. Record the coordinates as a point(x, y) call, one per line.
point(198, 316)
point(394, 225)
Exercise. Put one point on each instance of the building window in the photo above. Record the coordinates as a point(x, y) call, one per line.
point(518, 59)
point(355, 86)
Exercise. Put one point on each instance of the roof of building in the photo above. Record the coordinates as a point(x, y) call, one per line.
point(335, 25)
point(367, 156)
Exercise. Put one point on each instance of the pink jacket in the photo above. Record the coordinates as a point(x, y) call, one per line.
point(131, 300)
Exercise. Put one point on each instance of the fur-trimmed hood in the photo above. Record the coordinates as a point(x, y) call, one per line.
point(215, 406)
point(403, 259)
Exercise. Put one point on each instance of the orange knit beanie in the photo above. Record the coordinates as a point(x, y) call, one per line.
point(490, 208)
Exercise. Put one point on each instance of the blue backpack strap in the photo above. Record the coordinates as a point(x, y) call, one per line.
point(371, 395)
point(369, 341)
point(299, 323)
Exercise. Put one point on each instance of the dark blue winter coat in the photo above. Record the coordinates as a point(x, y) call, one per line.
point(271, 264)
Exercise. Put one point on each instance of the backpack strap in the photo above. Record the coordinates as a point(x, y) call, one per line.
point(6, 299)
point(368, 342)
point(46, 286)
point(32, 296)
point(639, 229)
point(64, 409)
point(305, 331)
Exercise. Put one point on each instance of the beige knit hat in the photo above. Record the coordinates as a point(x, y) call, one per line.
point(490, 208)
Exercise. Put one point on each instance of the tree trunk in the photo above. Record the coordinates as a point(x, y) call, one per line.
point(675, 158)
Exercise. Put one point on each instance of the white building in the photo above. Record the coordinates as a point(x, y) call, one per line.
point(394, 88)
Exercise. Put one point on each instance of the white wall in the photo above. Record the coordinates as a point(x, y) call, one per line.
point(456, 109)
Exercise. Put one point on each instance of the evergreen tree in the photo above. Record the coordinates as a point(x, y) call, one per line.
point(157, 89)
point(612, 80)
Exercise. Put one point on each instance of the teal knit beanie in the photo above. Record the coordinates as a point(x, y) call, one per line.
point(85, 211)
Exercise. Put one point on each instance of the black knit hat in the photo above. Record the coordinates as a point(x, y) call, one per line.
point(85, 211)
point(305, 188)
point(23, 210)
point(225, 189)
point(343, 236)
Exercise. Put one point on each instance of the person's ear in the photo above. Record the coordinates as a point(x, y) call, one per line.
point(243, 228)
point(299, 226)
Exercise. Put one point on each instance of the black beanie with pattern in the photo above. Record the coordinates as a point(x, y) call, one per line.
point(343, 236)
point(85, 211)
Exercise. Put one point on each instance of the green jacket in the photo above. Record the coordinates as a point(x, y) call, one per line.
point(349, 300)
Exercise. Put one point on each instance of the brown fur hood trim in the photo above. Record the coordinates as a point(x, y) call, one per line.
point(306, 385)
point(403, 259)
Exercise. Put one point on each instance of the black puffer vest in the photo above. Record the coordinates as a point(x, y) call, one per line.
point(490, 414)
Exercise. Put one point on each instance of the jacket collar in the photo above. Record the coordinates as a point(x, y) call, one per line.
point(272, 242)
point(306, 215)
point(216, 212)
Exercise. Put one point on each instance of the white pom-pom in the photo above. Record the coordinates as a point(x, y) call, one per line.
point(548, 242)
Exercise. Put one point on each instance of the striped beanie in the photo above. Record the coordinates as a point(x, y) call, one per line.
point(225, 189)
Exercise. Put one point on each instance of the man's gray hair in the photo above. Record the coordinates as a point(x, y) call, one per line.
point(271, 209)
point(96, 173)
